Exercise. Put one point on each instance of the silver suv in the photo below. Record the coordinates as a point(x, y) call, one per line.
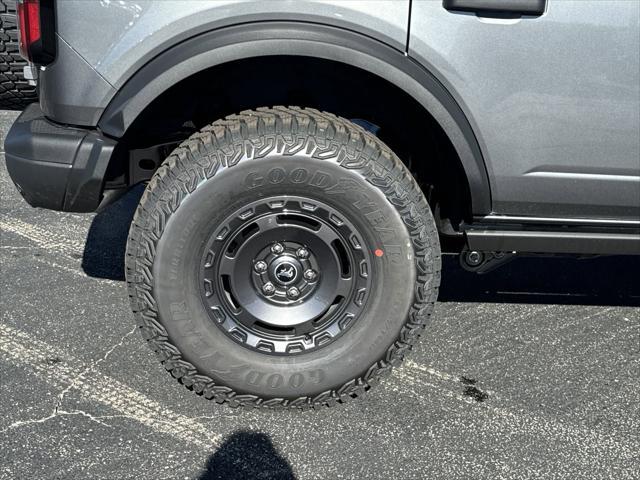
point(306, 163)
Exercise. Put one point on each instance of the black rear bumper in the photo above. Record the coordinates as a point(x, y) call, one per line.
point(56, 166)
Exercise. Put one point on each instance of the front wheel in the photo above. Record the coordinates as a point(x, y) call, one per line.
point(282, 258)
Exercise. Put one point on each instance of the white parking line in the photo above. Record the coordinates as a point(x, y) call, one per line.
point(23, 350)
point(51, 241)
point(47, 239)
point(431, 371)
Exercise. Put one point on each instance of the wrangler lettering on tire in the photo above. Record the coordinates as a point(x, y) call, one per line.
point(283, 257)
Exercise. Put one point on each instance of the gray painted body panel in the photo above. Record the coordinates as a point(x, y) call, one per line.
point(71, 90)
point(117, 37)
point(554, 101)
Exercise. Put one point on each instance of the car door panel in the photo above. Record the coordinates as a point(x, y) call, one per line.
point(554, 101)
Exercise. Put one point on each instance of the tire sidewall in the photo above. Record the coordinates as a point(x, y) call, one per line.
point(203, 344)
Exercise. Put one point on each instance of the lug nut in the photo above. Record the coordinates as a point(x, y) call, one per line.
point(293, 293)
point(277, 248)
point(260, 266)
point(310, 275)
point(268, 289)
point(302, 253)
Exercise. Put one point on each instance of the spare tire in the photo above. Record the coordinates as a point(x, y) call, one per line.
point(15, 91)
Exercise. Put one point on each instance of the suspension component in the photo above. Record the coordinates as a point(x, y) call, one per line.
point(484, 262)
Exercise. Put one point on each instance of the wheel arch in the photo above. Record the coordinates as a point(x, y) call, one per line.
point(262, 39)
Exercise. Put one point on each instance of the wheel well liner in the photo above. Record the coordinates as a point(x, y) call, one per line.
point(311, 40)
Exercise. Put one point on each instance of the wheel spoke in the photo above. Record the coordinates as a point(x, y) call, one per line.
point(304, 328)
point(327, 234)
point(266, 223)
point(226, 266)
point(344, 285)
point(245, 318)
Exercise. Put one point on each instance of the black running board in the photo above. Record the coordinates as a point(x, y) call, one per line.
point(490, 240)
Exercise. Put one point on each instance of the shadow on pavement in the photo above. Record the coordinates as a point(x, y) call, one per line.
point(613, 281)
point(610, 281)
point(106, 243)
point(247, 455)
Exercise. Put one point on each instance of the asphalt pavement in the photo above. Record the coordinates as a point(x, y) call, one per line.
point(531, 371)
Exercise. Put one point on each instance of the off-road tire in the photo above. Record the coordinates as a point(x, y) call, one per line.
point(216, 155)
point(15, 91)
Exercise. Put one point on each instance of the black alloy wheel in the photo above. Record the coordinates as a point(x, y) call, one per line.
point(285, 275)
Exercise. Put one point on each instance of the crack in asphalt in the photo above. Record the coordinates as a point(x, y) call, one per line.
point(91, 368)
point(22, 349)
point(57, 413)
point(57, 409)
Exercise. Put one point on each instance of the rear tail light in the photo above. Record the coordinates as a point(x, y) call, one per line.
point(37, 30)
point(29, 17)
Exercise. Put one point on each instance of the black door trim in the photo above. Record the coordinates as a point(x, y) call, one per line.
point(519, 7)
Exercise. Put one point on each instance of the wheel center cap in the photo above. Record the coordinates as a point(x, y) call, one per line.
point(286, 273)
point(285, 270)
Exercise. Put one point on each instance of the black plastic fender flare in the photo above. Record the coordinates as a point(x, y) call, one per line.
point(303, 39)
